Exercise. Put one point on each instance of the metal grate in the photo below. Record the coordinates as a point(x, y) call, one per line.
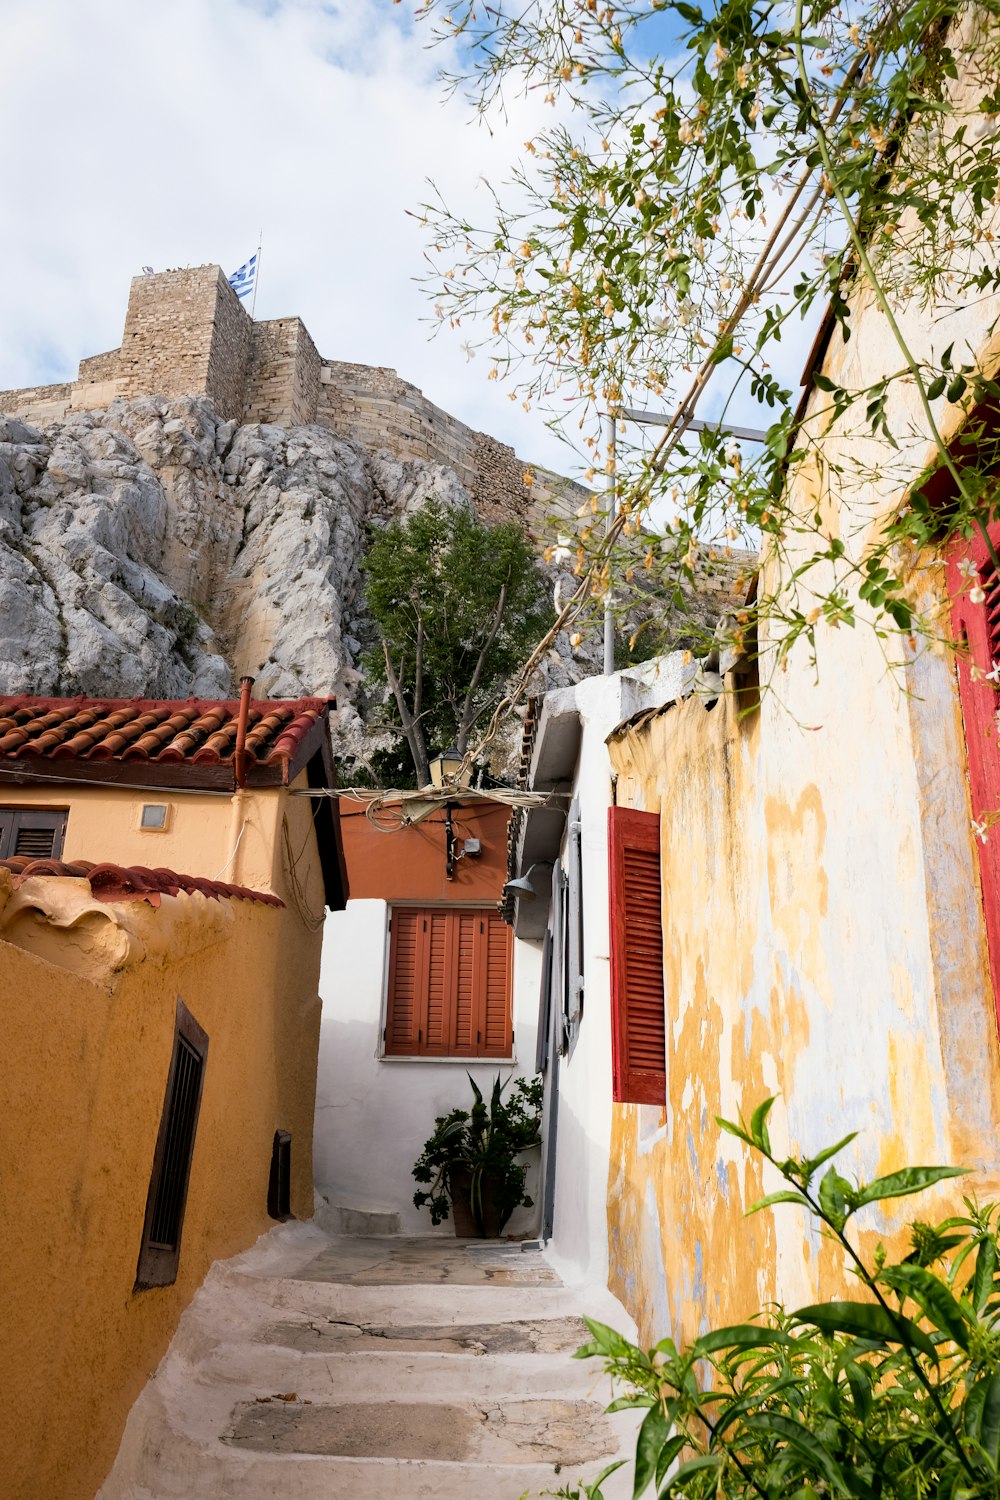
point(168, 1205)
point(159, 1253)
point(36, 843)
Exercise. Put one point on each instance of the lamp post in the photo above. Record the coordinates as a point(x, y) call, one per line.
point(648, 419)
point(446, 765)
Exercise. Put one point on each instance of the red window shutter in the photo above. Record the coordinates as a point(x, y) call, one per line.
point(978, 625)
point(497, 1040)
point(466, 982)
point(440, 980)
point(638, 1026)
point(406, 950)
point(449, 984)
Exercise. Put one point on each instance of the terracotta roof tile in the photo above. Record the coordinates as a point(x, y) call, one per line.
point(132, 882)
point(142, 732)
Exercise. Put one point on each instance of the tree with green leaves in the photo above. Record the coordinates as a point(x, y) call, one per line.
point(455, 606)
point(714, 173)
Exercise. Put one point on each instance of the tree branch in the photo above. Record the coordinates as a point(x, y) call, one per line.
point(468, 719)
point(411, 728)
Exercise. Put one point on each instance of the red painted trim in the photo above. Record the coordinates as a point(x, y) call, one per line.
point(980, 700)
point(638, 1023)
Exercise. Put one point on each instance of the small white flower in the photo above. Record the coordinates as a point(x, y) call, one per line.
point(976, 595)
point(993, 675)
point(979, 829)
point(967, 568)
point(467, 350)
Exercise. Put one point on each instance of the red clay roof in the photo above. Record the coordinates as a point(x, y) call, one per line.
point(189, 742)
point(132, 883)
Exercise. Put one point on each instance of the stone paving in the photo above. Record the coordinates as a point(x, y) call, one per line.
point(331, 1366)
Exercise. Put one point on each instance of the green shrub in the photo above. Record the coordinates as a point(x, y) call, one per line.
point(893, 1394)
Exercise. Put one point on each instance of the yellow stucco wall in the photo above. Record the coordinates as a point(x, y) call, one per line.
point(822, 940)
point(87, 1044)
point(822, 918)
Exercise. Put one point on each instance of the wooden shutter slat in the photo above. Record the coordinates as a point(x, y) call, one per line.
point(497, 1021)
point(402, 1017)
point(467, 1021)
point(638, 1024)
point(440, 936)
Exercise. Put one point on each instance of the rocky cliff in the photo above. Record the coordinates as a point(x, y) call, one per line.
point(153, 550)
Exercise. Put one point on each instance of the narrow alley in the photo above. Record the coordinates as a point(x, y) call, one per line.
point(317, 1365)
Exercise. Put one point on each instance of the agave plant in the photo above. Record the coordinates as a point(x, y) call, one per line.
point(474, 1154)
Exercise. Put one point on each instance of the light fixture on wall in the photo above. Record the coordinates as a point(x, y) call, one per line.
point(522, 887)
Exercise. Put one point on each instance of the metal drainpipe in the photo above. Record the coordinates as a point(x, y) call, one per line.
point(240, 757)
point(609, 609)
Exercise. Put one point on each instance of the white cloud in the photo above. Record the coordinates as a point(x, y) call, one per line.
point(170, 134)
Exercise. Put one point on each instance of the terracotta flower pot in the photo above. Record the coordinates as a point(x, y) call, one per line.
point(463, 1218)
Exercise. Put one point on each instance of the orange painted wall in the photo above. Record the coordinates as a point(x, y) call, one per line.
point(409, 865)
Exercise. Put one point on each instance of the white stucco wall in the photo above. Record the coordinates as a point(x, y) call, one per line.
point(374, 1115)
point(579, 1244)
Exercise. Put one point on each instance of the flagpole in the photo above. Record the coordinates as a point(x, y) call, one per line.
point(253, 305)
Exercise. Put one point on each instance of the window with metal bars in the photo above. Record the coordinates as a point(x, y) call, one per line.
point(449, 983)
point(638, 1021)
point(166, 1200)
point(34, 832)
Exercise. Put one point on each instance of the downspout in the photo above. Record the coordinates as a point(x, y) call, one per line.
point(240, 757)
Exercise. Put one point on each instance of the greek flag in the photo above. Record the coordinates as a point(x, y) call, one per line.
point(242, 280)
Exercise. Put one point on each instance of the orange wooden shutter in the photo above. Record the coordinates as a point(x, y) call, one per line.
point(497, 1039)
point(638, 1027)
point(978, 625)
point(405, 952)
point(449, 984)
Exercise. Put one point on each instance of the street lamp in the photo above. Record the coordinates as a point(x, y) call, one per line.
point(649, 419)
point(446, 765)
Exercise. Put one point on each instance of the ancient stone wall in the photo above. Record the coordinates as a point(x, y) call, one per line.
point(285, 374)
point(230, 353)
point(188, 334)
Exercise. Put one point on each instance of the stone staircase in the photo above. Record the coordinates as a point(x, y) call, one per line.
point(321, 1366)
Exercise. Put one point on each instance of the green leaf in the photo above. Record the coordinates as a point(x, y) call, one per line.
point(989, 1431)
point(630, 1403)
point(813, 1163)
point(946, 357)
point(936, 387)
point(607, 1341)
point(932, 1297)
point(823, 382)
point(693, 1466)
point(860, 1388)
point(805, 1442)
point(866, 1320)
point(836, 1198)
point(957, 388)
point(785, 1196)
point(594, 1490)
point(668, 1453)
point(758, 1125)
point(653, 1434)
point(982, 1276)
point(737, 1336)
point(901, 1184)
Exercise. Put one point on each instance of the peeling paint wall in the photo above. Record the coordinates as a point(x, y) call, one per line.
point(823, 940)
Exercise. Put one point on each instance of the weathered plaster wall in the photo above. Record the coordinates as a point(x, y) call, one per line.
point(81, 1094)
point(373, 1115)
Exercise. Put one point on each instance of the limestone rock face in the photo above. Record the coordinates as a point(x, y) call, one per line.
point(153, 550)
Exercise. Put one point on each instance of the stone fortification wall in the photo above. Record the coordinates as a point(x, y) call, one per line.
point(285, 375)
point(188, 334)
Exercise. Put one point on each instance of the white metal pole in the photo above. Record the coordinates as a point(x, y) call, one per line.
point(256, 274)
point(612, 500)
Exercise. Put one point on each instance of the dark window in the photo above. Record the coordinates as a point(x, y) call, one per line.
point(168, 1185)
point(449, 984)
point(638, 1024)
point(35, 832)
point(279, 1185)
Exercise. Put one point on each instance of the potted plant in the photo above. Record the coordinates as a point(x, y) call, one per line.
point(471, 1164)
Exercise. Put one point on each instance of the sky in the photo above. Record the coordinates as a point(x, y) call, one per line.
point(170, 135)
